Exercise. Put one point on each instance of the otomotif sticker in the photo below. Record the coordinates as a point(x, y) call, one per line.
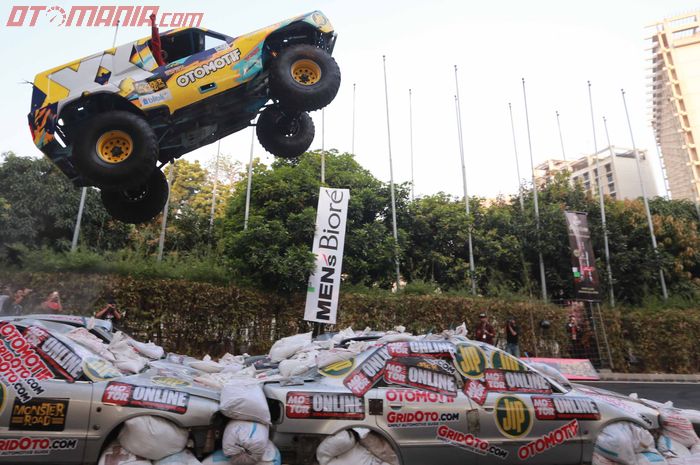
point(57, 354)
point(129, 395)
point(549, 440)
point(21, 368)
point(370, 370)
point(416, 396)
point(324, 405)
point(469, 442)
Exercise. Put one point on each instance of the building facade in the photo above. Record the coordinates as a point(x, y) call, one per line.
point(675, 101)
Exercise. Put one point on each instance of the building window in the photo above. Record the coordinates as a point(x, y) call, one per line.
point(608, 168)
point(610, 177)
point(585, 177)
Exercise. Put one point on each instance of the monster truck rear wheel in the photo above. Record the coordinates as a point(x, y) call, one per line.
point(283, 135)
point(140, 204)
point(115, 150)
point(304, 78)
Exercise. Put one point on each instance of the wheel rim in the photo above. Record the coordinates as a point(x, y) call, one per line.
point(288, 126)
point(306, 72)
point(135, 195)
point(114, 146)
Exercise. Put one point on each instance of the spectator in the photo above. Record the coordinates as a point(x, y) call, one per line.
point(574, 331)
point(52, 304)
point(13, 306)
point(484, 331)
point(512, 332)
point(109, 312)
point(5, 296)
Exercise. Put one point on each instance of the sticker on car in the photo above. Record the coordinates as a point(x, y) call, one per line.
point(35, 446)
point(368, 372)
point(549, 440)
point(470, 360)
point(469, 442)
point(324, 405)
point(513, 417)
point(42, 414)
point(416, 373)
point(337, 369)
point(129, 395)
point(565, 408)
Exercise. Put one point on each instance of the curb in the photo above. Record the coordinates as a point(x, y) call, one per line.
point(650, 377)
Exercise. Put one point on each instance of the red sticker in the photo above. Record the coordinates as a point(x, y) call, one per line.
point(565, 408)
point(476, 391)
point(129, 395)
point(324, 405)
point(370, 370)
point(421, 374)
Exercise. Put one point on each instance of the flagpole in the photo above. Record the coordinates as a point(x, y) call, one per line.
point(517, 163)
point(410, 126)
point(164, 220)
point(213, 191)
point(662, 279)
point(352, 149)
point(323, 146)
point(391, 185)
point(250, 180)
point(561, 139)
point(472, 274)
point(543, 277)
point(601, 199)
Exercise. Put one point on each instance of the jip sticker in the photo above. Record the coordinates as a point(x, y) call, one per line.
point(504, 361)
point(513, 417)
point(337, 369)
point(470, 360)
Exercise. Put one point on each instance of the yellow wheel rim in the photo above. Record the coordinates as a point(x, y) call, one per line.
point(306, 72)
point(114, 146)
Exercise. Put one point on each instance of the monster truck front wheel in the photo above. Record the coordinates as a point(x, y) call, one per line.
point(304, 78)
point(115, 150)
point(285, 135)
point(140, 204)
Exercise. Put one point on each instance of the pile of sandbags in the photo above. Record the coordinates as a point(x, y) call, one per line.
point(359, 446)
point(126, 358)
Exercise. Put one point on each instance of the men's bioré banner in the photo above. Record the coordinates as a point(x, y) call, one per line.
point(586, 282)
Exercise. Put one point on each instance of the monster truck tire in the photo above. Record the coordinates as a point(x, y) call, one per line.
point(304, 78)
point(285, 136)
point(116, 150)
point(138, 205)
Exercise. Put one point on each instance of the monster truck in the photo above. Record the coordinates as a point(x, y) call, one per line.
point(115, 118)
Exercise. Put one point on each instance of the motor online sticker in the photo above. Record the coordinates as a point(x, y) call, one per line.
point(565, 408)
point(370, 370)
point(129, 395)
point(476, 390)
point(324, 405)
point(421, 349)
point(515, 381)
point(57, 354)
point(469, 442)
point(549, 440)
point(416, 374)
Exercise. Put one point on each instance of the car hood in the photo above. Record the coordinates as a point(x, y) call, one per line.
point(172, 376)
point(647, 415)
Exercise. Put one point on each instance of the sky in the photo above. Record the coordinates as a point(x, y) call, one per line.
point(557, 46)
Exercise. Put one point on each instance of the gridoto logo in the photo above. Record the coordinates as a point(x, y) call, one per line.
point(98, 15)
point(513, 418)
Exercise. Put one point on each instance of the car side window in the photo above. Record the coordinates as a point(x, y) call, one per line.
point(214, 40)
point(181, 44)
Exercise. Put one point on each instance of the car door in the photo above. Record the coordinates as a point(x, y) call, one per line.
point(43, 417)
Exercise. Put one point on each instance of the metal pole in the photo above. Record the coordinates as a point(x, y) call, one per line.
point(164, 221)
point(601, 199)
point(391, 185)
point(472, 273)
point(517, 163)
point(543, 278)
point(213, 191)
point(662, 279)
point(663, 172)
point(352, 149)
point(410, 125)
point(250, 181)
point(323, 146)
point(561, 139)
point(612, 154)
point(78, 220)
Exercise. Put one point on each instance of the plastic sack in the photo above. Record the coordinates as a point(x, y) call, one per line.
point(622, 441)
point(358, 455)
point(148, 349)
point(677, 426)
point(599, 459)
point(335, 445)
point(670, 448)
point(115, 454)
point(152, 437)
point(184, 457)
point(271, 456)
point(380, 448)
point(244, 399)
point(126, 357)
point(690, 460)
point(206, 364)
point(217, 458)
point(695, 450)
point(86, 338)
point(245, 441)
point(288, 346)
point(228, 359)
point(650, 457)
point(298, 365)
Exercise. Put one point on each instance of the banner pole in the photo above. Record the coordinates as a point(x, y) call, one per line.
point(410, 129)
point(352, 146)
point(517, 163)
point(391, 182)
point(250, 180)
point(164, 220)
point(561, 139)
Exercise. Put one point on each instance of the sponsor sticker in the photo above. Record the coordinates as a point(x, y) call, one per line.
point(504, 361)
point(337, 369)
point(368, 372)
point(39, 415)
point(469, 442)
point(549, 440)
point(58, 355)
point(21, 367)
point(129, 395)
point(99, 369)
point(324, 405)
point(416, 396)
point(35, 446)
point(416, 373)
point(421, 348)
point(476, 391)
point(204, 70)
point(565, 408)
point(169, 381)
point(469, 360)
point(156, 97)
point(516, 381)
point(513, 417)
point(419, 418)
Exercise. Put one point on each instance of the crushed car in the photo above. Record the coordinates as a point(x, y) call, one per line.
point(115, 118)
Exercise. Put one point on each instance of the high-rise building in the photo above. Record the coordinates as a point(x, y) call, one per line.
point(675, 97)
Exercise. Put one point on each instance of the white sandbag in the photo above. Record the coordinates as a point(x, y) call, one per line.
point(206, 364)
point(245, 441)
point(690, 460)
point(115, 454)
point(335, 445)
point(288, 346)
point(232, 368)
point(271, 456)
point(217, 458)
point(692, 415)
point(599, 459)
point(184, 457)
point(358, 455)
point(342, 335)
point(126, 357)
point(650, 457)
point(622, 441)
point(329, 357)
point(380, 448)
point(244, 399)
point(228, 359)
point(147, 349)
point(676, 425)
point(298, 365)
point(86, 338)
point(695, 450)
point(670, 448)
point(152, 437)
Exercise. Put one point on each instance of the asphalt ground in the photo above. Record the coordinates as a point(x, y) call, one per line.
point(683, 395)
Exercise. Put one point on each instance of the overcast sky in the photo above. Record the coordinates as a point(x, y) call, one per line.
point(555, 45)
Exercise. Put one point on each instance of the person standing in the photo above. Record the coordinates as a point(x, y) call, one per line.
point(512, 332)
point(574, 332)
point(484, 331)
point(109, 311)
point(13, 306)
point(52, 303)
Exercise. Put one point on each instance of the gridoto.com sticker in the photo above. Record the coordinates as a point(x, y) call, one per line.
point(470, 360)
point(513, 417)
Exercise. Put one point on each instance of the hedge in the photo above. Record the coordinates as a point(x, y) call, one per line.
point(200, 318)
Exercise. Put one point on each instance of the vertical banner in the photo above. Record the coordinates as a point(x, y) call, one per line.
point(586, 282)
point(329, 240)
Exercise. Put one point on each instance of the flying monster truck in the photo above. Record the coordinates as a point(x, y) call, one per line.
point(115, 118)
